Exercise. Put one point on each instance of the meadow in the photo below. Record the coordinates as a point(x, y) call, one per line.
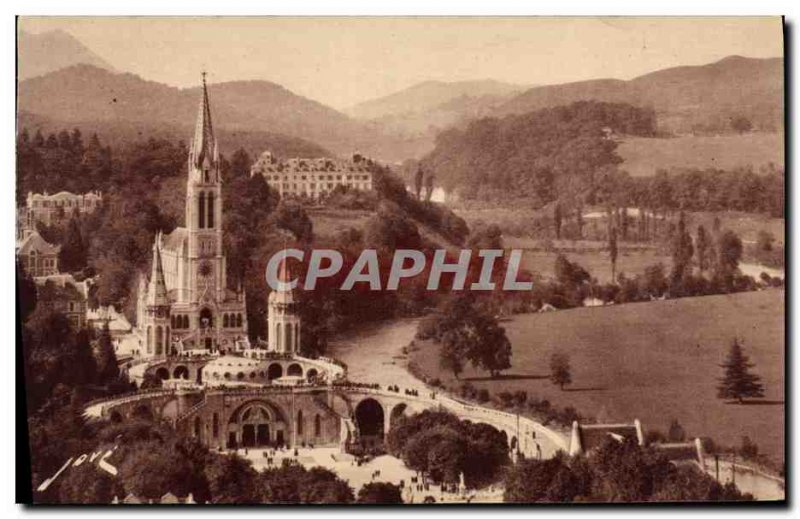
point(643, 156)
point(656, 361)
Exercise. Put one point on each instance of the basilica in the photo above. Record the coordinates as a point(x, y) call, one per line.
point(186, 304)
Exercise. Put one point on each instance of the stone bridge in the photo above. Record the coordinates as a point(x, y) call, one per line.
point(310, 414)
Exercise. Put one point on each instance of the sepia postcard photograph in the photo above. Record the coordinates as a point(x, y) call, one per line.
point(400, 260)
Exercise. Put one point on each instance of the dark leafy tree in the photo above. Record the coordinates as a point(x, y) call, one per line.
point(88, 486)
point(741, 124)
point(560, 372)
point(106, 358)
point(418, 178)
point(613, 251)
point(729, 252)
point(232, 480)
point(703, 248)
point(72, 256)
point(151, 469)
point(682, 252)
point(451, 355)
point(380, 494)
point(430, 178)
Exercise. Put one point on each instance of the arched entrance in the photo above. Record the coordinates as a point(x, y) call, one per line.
point(295, 370)
point(181, 372)
point(162, 373)
point(311, 374)
point(206, 318)
point(398, 412)
point(255, 425)
point(369, 421)
point(274, 371)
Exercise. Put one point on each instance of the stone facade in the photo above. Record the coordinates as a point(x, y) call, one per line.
point(313, 177)
point(229, 419)
point(36, 256)
point(52, 209)
point(65, 295)
point(187, 304)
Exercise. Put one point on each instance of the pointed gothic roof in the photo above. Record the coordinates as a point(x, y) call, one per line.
point(204, 145)
point(157, 291)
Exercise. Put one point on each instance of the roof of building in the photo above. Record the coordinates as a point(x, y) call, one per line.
point(66, 282)
point(174, 240)
point(204, 145)
point(117, 322)
point(157, 290)
point(680, 451)
point(269, 163)
point(66, 195)
point(34, 241)
point(586, 437)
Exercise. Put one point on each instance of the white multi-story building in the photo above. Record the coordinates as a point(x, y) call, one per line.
point(313, 178)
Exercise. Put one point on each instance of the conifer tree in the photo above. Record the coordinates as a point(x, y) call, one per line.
point(613, 250)
point(72, 256)
point(107, 369)
point(738, 383)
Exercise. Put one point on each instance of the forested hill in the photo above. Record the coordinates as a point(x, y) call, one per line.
point(702, 98)
point(122, 135)
point(542, 155)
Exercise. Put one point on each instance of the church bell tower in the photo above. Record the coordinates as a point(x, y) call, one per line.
point(204, 210)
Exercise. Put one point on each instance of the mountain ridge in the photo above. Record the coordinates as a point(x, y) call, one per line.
point(684, 97)
point(85, 93)
point(45, 52)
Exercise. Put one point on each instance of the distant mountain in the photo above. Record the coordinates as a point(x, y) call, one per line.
point(92, 96)
point(419, 112)
point(39, 54)
point(431, 94)
point(687, 98)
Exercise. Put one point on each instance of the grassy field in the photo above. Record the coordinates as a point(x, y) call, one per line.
point(329, 222)
point(653, 361)
point(643, 156)
point(590, 255)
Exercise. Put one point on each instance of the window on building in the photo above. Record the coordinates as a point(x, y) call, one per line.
point(201, 210)
point(211, 210)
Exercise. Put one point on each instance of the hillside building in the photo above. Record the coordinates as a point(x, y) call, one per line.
point(38, 257)
point(53, 209)
point(313, 178)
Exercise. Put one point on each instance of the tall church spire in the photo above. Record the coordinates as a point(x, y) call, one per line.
point(157, 291)
point(204, 151)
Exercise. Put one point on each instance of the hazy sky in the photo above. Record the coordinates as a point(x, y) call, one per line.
point(342, 61)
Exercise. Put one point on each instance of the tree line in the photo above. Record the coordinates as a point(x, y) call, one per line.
point(616, 471)
point(540, 156)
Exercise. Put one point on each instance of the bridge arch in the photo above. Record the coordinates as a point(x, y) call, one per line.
point(369, 418)
point(311, 374)
point(294, 370)
point(162, 373)
point(398, 411)
point(274, 371)
point(181, 372)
